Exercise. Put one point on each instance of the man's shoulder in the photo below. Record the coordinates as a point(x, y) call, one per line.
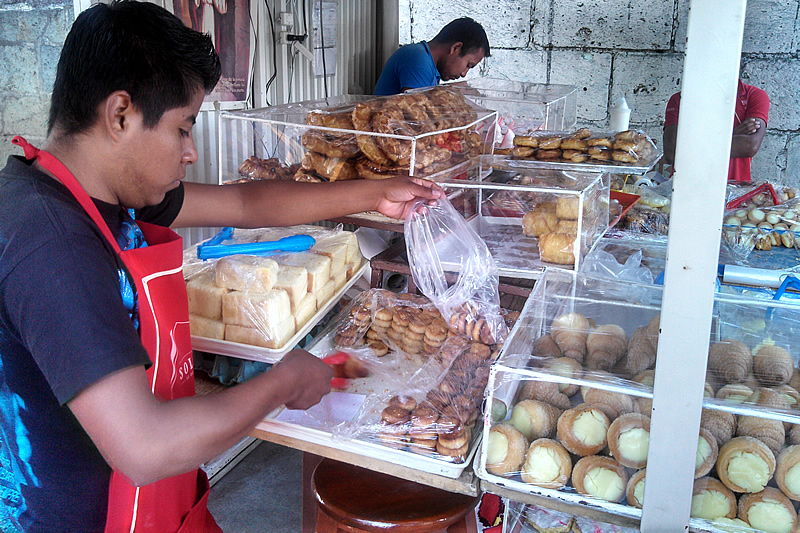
point(413, 50)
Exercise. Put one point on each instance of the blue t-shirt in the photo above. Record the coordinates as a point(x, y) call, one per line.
point(410, 67)
point(67, 319)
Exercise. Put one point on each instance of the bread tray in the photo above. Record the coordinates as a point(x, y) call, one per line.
point(272, 355)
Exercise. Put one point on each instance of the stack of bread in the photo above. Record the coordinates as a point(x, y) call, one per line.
point(555, 224)
point(768, 227)
point(377, 152)
point(438, 422)
point(627, 147)
point(264, 301)
point(747, 466)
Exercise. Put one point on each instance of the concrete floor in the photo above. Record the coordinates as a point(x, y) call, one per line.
point(262, 493)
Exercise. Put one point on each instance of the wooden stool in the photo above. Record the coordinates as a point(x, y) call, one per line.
point(356, 500)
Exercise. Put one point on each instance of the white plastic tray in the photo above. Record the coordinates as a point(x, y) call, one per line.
point(273, 355)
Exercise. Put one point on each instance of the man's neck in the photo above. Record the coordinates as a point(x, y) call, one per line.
point(82, 155)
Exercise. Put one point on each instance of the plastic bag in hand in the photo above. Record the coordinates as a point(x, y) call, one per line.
point(452, 266)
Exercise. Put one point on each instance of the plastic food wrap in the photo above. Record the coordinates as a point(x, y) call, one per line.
point(471, 303)
point(758, 195)
point(263, 301)
point(430, 133)
point(761, 228)
point(523, 518)
point(580, 341)
point(427, 383)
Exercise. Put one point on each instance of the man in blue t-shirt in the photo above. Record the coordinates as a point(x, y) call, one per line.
point(458, 47)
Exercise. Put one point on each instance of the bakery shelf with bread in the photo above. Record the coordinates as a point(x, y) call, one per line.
point(578, 369)
point(429, 133)
point(531, 218)
point(416, 382)
point(258, 307)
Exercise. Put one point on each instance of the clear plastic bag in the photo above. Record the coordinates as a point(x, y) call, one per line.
point(454, 268)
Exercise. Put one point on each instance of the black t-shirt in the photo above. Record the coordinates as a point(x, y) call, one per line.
point(63, 327)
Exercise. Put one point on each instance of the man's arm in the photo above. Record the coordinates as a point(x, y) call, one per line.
point(747, 137)
point(286, 203)
point(147, 439)
point(670, 135)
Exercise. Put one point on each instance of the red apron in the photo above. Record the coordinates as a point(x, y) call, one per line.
point(178, 503)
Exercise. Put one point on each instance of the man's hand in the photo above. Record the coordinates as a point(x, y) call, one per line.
point(311, 376)
point(748, 127)
point(399, 194)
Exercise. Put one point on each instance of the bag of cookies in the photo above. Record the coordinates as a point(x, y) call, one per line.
point(454, 268)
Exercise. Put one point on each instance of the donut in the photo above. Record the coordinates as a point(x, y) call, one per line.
point(573, 143)
point(395, 415)
point(583, 133)
point(577, 157)
point(453, 440)
point(599, 141)
point(526, 140)
point(342, 146)
point(393, 439)
point(457, 454)
point(627, 135)
point(378, 347)
point(549, 143)
point(599, 153)
point(624, 157)
point(438, 399)
point(542, 153)
point(404, 402)
point(627, 146)
point(522, 151)
point(424, 415)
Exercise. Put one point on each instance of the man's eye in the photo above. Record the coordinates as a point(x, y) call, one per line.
point(184, 133)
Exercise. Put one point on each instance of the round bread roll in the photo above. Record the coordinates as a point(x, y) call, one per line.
point(745, 464)
point(711, 500)
point(583, 429)
point(547, 464)
point(634, 491)
point(600, 477)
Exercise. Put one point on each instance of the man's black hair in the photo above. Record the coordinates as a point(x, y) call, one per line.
point(466, 31)
point(137, 47)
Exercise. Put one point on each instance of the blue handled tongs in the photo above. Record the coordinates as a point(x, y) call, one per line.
point(214, 247)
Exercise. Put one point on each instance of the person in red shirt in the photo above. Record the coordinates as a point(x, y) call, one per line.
point(749, 127)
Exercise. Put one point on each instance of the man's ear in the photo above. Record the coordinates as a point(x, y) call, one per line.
point(115, 113)
point(456, 47)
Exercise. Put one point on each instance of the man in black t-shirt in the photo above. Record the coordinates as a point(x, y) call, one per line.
point(74, 396)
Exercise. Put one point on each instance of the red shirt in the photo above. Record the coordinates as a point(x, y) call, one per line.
point(751, 102)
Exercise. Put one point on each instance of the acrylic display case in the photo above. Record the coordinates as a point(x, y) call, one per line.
point(531, 219)
point(575, 378)
point(429, 133)
point(524, 106)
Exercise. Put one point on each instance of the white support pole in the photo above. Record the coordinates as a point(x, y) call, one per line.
point(710, 76)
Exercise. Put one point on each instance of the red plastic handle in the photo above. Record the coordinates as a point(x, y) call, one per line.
point(764, 187)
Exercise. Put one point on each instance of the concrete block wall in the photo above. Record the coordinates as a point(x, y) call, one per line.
point(32, 33)
point(610, 48)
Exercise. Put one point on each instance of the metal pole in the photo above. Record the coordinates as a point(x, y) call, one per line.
point(710, 76)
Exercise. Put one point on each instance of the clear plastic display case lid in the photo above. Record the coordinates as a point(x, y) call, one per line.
point(294, 114)
point(502, 174)
point(519, 90)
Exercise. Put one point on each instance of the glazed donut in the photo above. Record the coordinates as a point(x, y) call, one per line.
point(583, 133)
point(424, 415)
point(526, 140)
point(403, 402)
point(579, 157)
point(395, 415)
point(549, 143)
point(522, 151)
point(600, 153)
point(569, 154)
point(599, 141)
point(626, 146)
point(573, 143)
point(458, 454)
point(341, 146)
point(548, 154)
point(438, 399)
point(624, 156)
point(453, 440)
point(627, 135)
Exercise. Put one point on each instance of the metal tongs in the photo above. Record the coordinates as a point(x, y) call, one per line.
point(214, 247)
